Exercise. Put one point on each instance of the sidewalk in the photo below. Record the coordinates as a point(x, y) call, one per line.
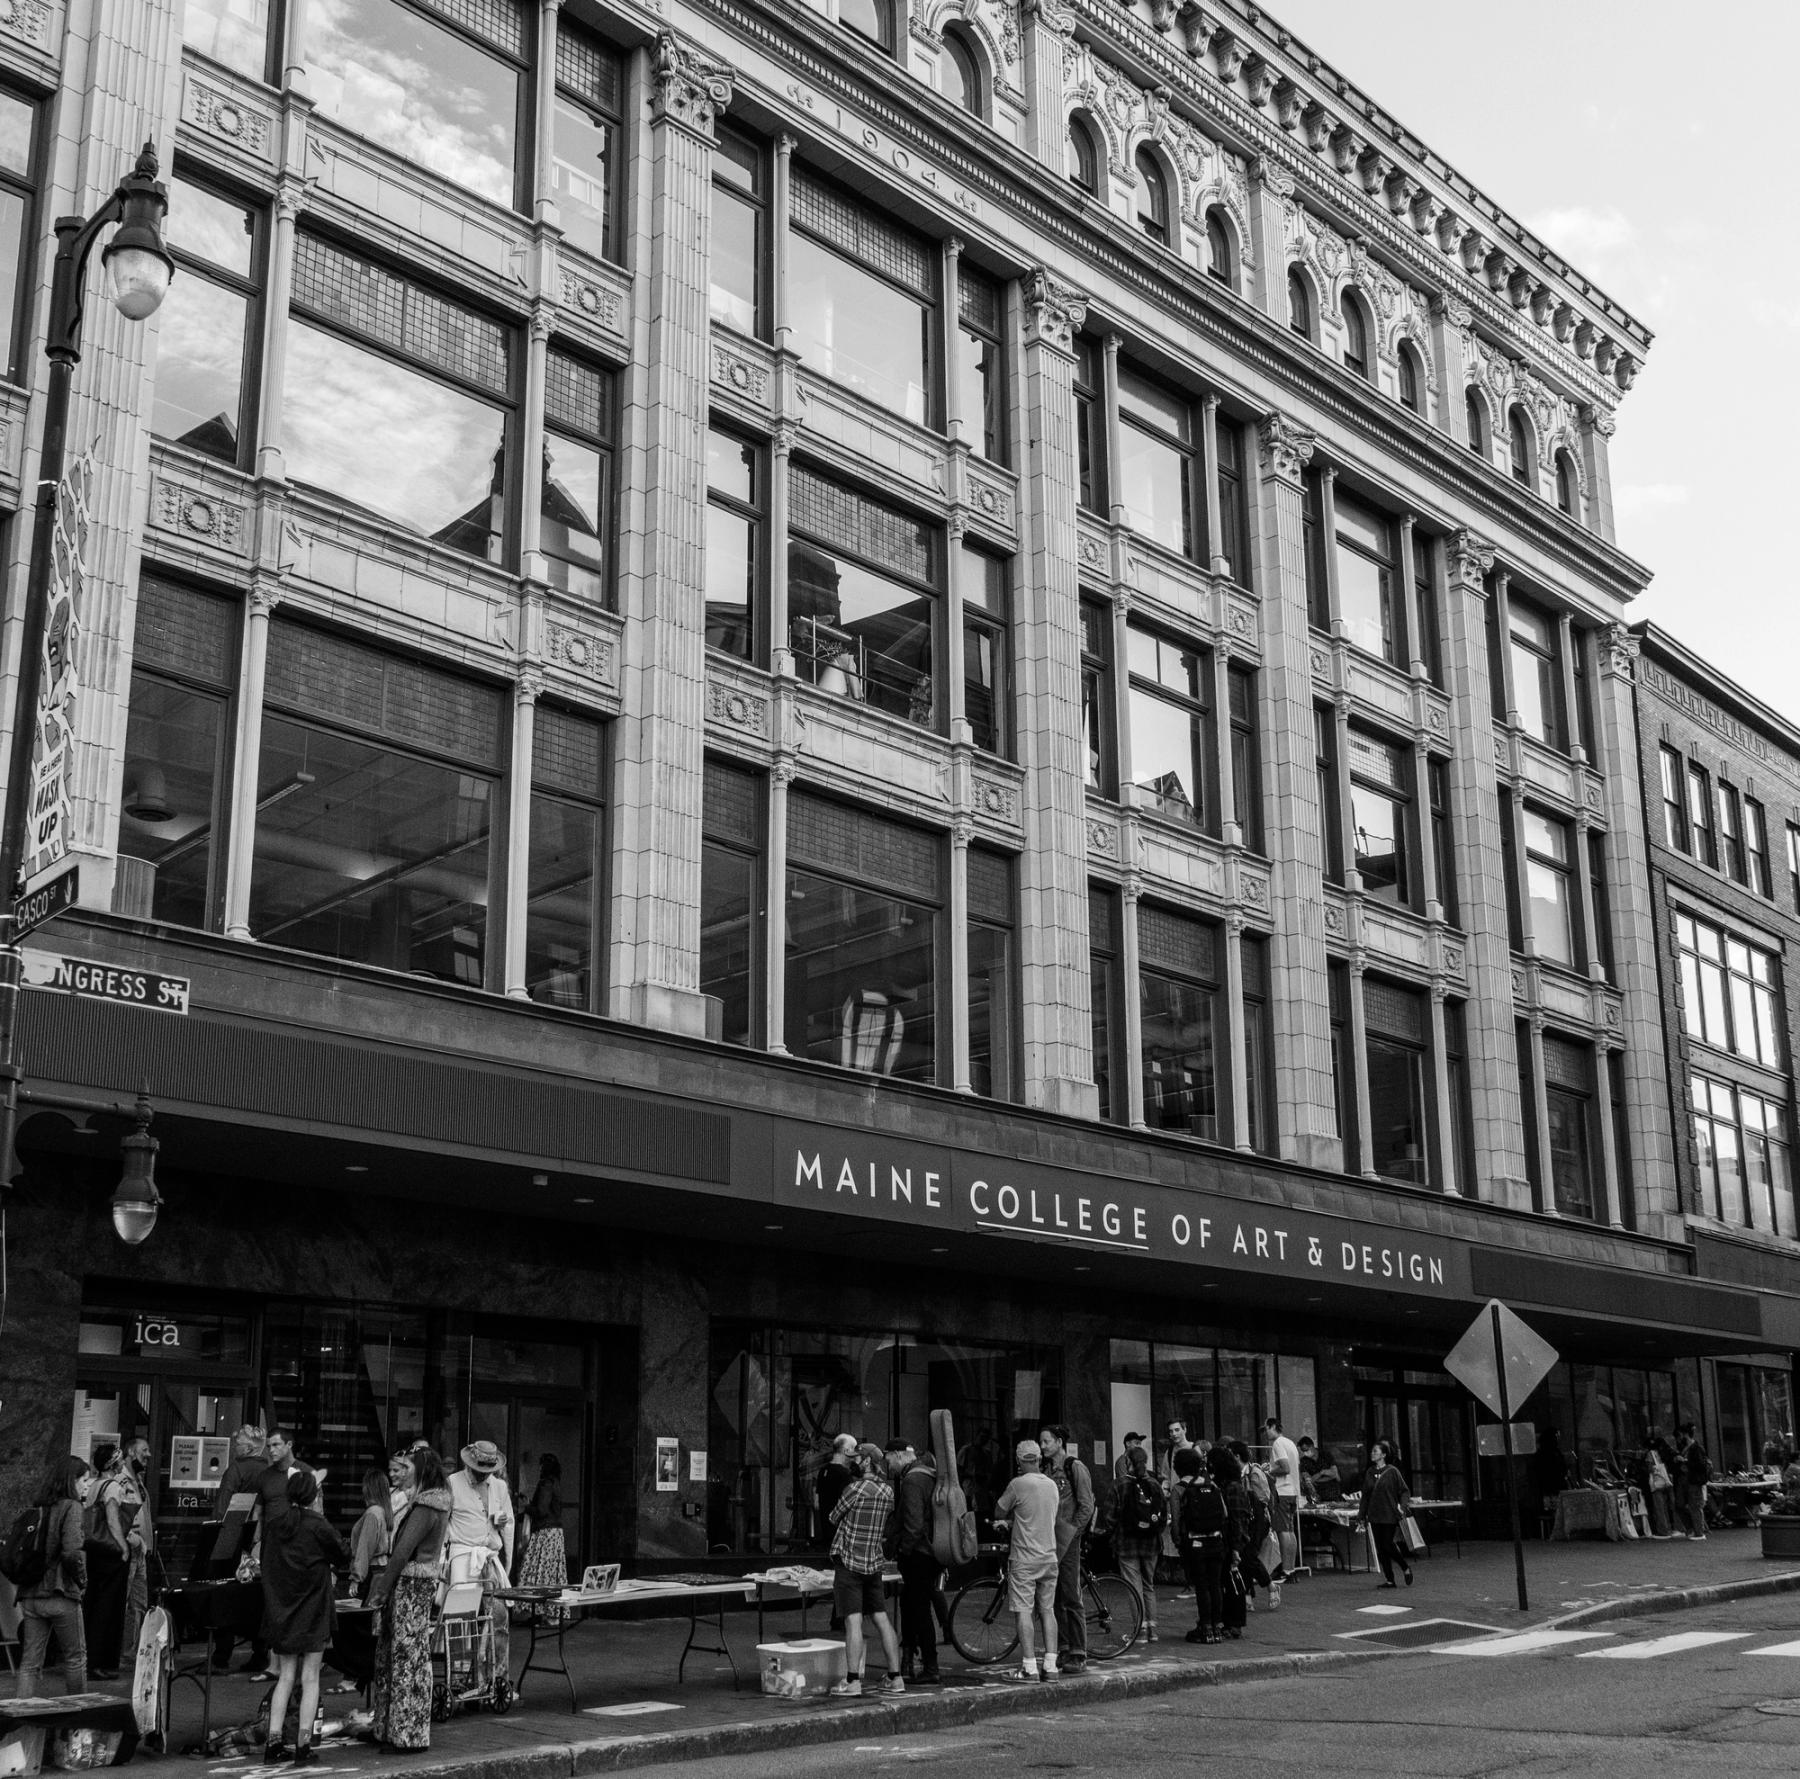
point(633, 1712)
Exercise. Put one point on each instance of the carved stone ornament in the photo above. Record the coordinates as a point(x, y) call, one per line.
point(1090, 551)
point(995, 802)
point(727, 703)
point(203, 516)
point(1253, 889)
point(28, 19)
point(744, 375)
point(1453, 959)
point(1054, 311)
point(686, 87)
point(1600, 420)
point(222, 115)
point(1619, 652)
point(992, 500)
point(595, 301)
point(1334, 919)
point(1470, 558)
point(1518, 985)
point(1287, 447)
point(1103, 837)
point(1273, 175)
point(591, 655)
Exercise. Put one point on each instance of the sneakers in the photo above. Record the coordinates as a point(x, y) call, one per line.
point(1021, 1676)
point(846, 1689)
point(893, 1683)
point(1406, 1571)
point(1050, 1668)
point(1150, 1633)
point(1073, 1664)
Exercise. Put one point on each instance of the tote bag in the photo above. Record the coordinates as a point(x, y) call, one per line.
point(1412, 1540)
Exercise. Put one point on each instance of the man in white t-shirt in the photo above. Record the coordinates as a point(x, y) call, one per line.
point(1029, 1508)
point(1284, 1509)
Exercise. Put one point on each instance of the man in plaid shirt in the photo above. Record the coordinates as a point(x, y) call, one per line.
point(858, 1552)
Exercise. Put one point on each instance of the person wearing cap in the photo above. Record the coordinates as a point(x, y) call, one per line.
point(1122, 1463)
point(1029, 1508)
point(859, 1556)
point(479, 1539)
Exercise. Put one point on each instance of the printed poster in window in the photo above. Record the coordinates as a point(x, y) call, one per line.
point(668, 1465)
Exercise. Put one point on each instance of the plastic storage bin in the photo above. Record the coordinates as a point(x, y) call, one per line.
point(22, 1752)
point(805, 1669)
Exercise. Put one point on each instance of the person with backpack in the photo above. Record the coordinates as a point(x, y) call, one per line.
point(107, 1533)
point(1693, 1471)
point(1140, 1513)
point(1203, 1535)
point(45, 1561)
point(921, 1576)
point(1228, 1473)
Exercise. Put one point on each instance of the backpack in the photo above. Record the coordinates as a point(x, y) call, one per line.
point(25, 1557)
point(1143, 1507)
point(1203, 1511)
point(954, 1537)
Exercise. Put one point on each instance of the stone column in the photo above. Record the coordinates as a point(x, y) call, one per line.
point(1270, 184)
point(1209, 458)
point(1449, 322)
point(1237, 1072)
point(517, 912)
point(1363, 1162)
point(1597, 427)
point(271, 465)
point(781, 775)
point(544, 167)
point(962, 831)
point(1131, 1002)
point(1612, 1183)
point(246, 767)
point(1053, 906)
point(1299, 992)
point(1047, 29)
point(1449, 1161)
point(656, 852)
point(1495, 1111)
point(1540, 1131)
point(531, 429)
point(1651, 1164)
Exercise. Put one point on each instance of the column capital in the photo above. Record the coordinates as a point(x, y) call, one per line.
point(1599, 420)
point(784, 770)
point(1054, 311)
point(1051, 15)
point(962, 831)
point(1469, 557)
point(785, 436)
point(686, 87)
point(543, 321)
point(1287, 447)
point(529, 687)
point(262, 599)
point(1272, 176)
point(1619, 652)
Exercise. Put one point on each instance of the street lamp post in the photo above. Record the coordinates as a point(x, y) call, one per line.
point(140, 269)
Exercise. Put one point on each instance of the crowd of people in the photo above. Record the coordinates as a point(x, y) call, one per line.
point(421, 1528)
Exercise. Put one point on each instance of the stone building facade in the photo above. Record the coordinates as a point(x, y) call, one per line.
point(809, 712)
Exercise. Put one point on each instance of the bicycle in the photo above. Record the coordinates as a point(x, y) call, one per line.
point(985, 1631)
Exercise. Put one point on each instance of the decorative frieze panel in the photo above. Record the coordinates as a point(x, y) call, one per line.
point(592, 299)
point(733, 705)
point(746, 374)
point(30, 22)
point(227, 118)
point(1252, 887)
point(198, 515)
point(588, 654)
point(1546, 771)
point(1191, 865)
point(1452, 955)
point(994, 801)
point(1382, 693)
point(1182, 590)
point(1562, 998)
point(1103, 837)
point(1337, 916)
point(1093, 551)
point(1395, 939)
point(1243, 626)
point(993, 500)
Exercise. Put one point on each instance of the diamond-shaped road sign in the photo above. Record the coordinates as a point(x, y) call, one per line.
point(1527, 1356)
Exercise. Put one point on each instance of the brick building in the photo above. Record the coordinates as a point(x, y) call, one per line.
point(809, 712)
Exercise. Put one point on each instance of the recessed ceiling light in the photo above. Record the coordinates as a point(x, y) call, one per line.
point(1315, 1300)
point(584, 1201)
point(355, 1167)
point(771, 1226)
point(940, 1250)
point(540, 1179)
point(1084, 1269)
point(1209, 1287)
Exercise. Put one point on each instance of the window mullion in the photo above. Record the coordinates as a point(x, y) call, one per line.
point(277, 303)
point(1359, 1063)
point(950, 339)
point(543, 169)
point(1131, 999)
point(959, 956)
point(518, 838)
point(1236, 1023)
point(1502, 609)
point(1209, 473)
point(247, 761)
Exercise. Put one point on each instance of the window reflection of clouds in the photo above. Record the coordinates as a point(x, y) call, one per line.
point(17, 116)
point(404, 82)
point(385, 437)
point(235, 32)
point(200, 366)
point(209, 227)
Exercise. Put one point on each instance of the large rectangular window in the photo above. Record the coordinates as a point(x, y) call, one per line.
point(987, 676)
point(1181, 1015)
point(1259, 1049)
point(441, 82)
point(864, 906)
point(585, 138)
point(1159, 461)
point(1318, 580)
point(1368, 589)
point(1097, 722)
point(19, 179)
point(1746, 1171)
point(577, 497)
point(1170, 733)
point(172, 808)
point(736, 501)
point(863, 579)
point(981, 368)
point(862, 298)
point(731, 868)
point(1730, 994)
point(1381, 818)
point(1343, 1062)
point(1537, 674)
point(1106, 987)
point(1397, 1024)
point(1731, 832)
point(1550, 887)
point(993, 918)
point(235, 32)
point(208, 323)
point(1570, 1108)
point(374, 807)
point(740, 222)
point(396, 399)
point(563, 931)
point(1090, 434)
point(1600, 946)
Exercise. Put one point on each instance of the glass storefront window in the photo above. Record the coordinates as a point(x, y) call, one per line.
point(394, 74)
point(1215, 1394)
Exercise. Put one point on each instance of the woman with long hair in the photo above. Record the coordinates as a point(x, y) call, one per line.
point(1385, 1499)
point(546, 1559)
point(51, 1606)
point(405, 1590)
point(299, 1553)
point(108, 1569)
point(373, 1533)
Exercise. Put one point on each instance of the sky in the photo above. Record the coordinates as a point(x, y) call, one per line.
point(1638, 140)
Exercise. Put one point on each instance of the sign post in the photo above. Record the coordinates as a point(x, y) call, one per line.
point(1502, 1361)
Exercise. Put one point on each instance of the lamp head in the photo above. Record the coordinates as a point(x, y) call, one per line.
point(135, 258)
point(147, 796)
point(136, 1201)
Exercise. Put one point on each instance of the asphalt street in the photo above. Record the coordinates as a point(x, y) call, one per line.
point(1630, 1697)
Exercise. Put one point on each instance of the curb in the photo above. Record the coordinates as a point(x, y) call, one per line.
point(1676, 1600)
point(954, 1708)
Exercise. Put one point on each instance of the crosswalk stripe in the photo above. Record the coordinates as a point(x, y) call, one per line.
point(1776, 1649)
point(1655, 1646)
point(1520, 1643)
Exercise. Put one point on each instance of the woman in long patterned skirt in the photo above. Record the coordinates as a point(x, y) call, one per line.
point(546, 1562)
point(404, 1593)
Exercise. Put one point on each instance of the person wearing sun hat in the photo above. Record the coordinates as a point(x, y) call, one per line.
point(479, 1542)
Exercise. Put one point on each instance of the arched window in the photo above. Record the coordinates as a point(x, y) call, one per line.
point(1299, 305)
point(1153, 198)
point(962, 75)
point(1356, 335)
point(1477, 423)
point(873, 19)
point(1218, 249)
point(1518, 447)
point(1411, 383)
point(1566, 484)
point(1083, 160)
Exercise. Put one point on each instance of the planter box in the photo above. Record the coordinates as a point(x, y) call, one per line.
point(1781, 1537)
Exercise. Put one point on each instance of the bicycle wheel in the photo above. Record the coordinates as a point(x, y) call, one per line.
point(981, 1626)
point(1114, 1616)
